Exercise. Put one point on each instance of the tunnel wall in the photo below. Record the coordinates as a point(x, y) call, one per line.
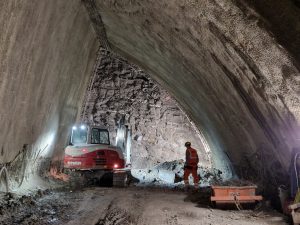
point(159, 128)
point(47, 52)
point(224, 68)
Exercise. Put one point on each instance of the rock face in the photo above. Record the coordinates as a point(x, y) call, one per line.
point(159, 128)
point(171, 174)
point(225, 68)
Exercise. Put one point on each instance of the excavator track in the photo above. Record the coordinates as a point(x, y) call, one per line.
point(121, 178)
point(77, 179)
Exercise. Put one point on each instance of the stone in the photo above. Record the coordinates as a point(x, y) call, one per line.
point(147, 123)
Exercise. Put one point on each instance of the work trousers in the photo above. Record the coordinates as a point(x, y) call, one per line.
point(190, 170)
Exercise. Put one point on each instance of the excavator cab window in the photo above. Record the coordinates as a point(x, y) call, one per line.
point(100, 136)
point(79, 136)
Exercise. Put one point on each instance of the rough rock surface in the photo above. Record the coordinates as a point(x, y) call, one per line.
point(35, 208)
point(170, 174)
point(225, 68)
point(159, 128)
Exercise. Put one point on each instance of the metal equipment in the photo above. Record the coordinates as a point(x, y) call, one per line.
point(91, 155)
point(234, 195)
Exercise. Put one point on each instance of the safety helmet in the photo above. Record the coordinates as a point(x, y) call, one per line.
point(187, 144)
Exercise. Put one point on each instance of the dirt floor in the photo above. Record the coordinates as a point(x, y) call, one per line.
point(117, 206)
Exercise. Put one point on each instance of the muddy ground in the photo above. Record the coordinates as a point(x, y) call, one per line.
point(117, 206)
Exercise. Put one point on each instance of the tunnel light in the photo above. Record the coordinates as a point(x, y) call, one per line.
point(74, 128)
point(82, 127)
point(50, 138)
point(116, 166)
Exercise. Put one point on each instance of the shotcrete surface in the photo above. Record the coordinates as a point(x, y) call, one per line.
point(225, 68)
point(47, 52)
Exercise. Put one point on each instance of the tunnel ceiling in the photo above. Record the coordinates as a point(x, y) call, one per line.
point(226, 65)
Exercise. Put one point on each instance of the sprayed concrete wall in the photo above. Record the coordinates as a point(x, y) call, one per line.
point(224, 66)
point(47, 52)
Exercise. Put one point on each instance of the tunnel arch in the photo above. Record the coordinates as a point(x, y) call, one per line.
point(224, 68)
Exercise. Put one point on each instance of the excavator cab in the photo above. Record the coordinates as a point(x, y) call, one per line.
point(83, 134)
point(90, 149)
point(91, 153)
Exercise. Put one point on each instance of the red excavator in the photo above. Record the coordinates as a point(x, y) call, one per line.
point(91, 155)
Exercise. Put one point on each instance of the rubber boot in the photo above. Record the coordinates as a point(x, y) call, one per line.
point(196, 187)
point(186, 186)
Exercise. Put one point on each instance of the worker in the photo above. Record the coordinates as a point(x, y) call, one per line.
point(191, 166)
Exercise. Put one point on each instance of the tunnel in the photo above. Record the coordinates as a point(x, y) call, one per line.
point(223, 75)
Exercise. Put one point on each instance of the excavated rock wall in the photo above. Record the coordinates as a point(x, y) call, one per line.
point(225, 68)
point(159, 128)
point(47, 53)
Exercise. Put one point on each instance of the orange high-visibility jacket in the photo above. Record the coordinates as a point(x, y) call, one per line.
point(191, 157)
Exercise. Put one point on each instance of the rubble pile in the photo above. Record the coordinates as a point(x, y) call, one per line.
point(35, 209)
point(171, 174)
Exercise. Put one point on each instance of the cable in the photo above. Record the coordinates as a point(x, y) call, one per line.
point(295, 167)
point(237, 202)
